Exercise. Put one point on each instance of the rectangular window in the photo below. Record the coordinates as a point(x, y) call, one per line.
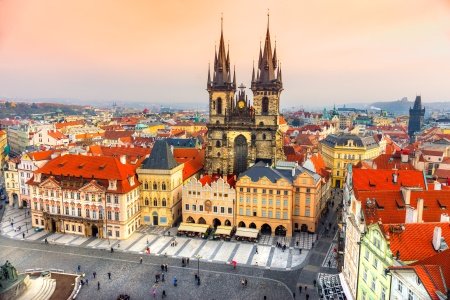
point(375, 263)
point(285, 193)
point(270, 214)
point(277, 214)
point(383, 294)
point(270, 201)
point(255, 191)
point(200, 207)
point(270, 192)
point(241, 189)
point(247, 212)
point(67, 227)
point(367, 255)
point(263, 201)
point(297, 200)
point(364, 295)
point(117, 234)
point(248, 199)
point(222, 209)
point(263, 213)
point(400, 286)
point(73, 211)
point(296, 211)
point(255, 200)
point(278, 192)
point(79, 228)
point(230, 210)
point(278, 202)
point(285, 216)
point(297, 190)
point(410, 295)
point(241, 211)
point(87, 213)
point(194, 207)
point(116, 216)
point(58, 210)
point(374, 284)
point(215, 209)
point(285, 203)
point(241, 199)
point(186, 206)
point(73, 227)
point(116, 199)
point(248, 190)
point(307, 212)
point(79, 211)
point(308, 201)
point(264, 191)
point(94, 214)
point(108, 198)
point(109, 215)
point(365, 275)
point(66, 210)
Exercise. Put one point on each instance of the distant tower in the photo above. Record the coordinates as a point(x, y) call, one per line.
point(416, 115)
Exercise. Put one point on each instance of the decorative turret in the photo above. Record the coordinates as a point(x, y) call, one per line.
point(416, 115)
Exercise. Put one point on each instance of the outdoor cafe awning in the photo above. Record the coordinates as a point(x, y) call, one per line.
point(247, 232)
point(192, 227)
point(224, 230)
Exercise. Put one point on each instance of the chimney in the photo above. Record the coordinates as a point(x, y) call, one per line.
point(405, 156)
point(394, 178)
point(406, 193)
point(445, 217)
point(437, 186)
point(411, 215)
point(123, 159)
point(437, 234)
point(293, 172)
point(419, 210)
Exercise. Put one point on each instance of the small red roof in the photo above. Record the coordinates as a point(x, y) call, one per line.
point(376, 179)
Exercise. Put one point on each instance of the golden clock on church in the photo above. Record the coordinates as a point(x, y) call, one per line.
point(241, 104)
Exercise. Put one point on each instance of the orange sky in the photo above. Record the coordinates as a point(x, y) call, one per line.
point(158, 51)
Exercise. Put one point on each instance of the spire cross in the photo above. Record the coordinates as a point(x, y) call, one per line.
point(268, 18)
point(221, 22)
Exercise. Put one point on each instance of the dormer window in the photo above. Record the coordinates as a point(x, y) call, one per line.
point(131, 180)
point(112, 184)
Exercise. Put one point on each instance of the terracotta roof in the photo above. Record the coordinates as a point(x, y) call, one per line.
point(281, 120)
point(69, 124)
point(115, 135)
point(415, 242)
point(391, 208)
point(432, 152)
point(230, 179)
point(42, 155)
point(391, 161)
point(57, 135)
point(375, 179)
point(439, 259)
point(102, 168)
point(442, 173)
point(430, 276)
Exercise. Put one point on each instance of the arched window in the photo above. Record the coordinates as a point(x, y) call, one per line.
point(219, 106)
point(146, 201)
point(345, 156)
point(217, 122)
point(261, 123)
point(146, 185)
point(155, 202)
point(264, 136)
point(265, 105)
point(164, 202)
point(163, 186)
point(218, 154)
point(218, 144)
point(155, 186)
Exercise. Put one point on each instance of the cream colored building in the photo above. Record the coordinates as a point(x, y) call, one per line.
point(3, 146)
point(12, 182)
point(278, 200)
point(209, 200)
point(161, 186)
point(86, 195)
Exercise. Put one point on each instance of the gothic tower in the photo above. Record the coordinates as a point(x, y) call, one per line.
point(416, 115)
point(239, 135)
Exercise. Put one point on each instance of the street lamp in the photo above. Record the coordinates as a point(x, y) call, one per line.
point(198, 256)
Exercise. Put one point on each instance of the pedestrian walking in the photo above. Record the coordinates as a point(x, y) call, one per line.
point(305, 288)
point(256, 250)
point(45, 241)
point(87, 281)
point(95, 273)
point(162, 277)
point(109, 275)
point(187, 259)
point(175, 282)
point(9, 219)
point(112, 249)
point(243, 282)
point(165, 267)
point(314, 282)
point(162, 267)
point(79, 268)
point(141, 259)
point(154, 293)
point(23, 235)
point(164, 294)
point(329, 263)
point(98, 285)
point(83, 275)
point(307, 296)
point(300, 288)
point(12, 224)
point(297, 243)
point(293, 295)
point(300, 250)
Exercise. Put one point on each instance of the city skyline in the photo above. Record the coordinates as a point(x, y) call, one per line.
point(330, 52)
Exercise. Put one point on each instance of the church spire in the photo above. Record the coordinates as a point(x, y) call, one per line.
point(266, 64)
point(209, 76)
point(253, 73)
point(222, 70)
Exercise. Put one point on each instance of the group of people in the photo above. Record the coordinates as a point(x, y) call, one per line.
point(244, 282)
point(173, 243)
point(123, 297)
point(283, 247)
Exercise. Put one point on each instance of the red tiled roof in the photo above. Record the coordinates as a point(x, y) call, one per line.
point(230, 179)
point(42, 155)
point(57, 135)
point(281, 120)
point(116, 135)
point(69, 124)
point(391, 161)
point(375, 179)
point(439, 259)
point(415, 242)
point(432, 152)
point(430, 276)
point(102, 168)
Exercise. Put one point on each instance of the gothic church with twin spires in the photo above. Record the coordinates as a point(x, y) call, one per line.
point(241, 134)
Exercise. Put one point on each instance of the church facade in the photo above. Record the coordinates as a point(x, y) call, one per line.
point(240, 133)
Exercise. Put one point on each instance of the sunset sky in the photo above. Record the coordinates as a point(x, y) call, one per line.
point(158, 51)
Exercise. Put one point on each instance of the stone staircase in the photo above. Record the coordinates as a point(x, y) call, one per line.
point(41, 288)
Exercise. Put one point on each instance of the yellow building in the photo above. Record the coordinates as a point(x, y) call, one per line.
point(161, 186)
point(190, 127)
point(340, 150)
point(3, 147)
point(278, 200)
point(209, 200)
point(153, 127)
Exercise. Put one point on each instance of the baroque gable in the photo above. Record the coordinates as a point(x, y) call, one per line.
point(91, 187)
point(50, 183)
